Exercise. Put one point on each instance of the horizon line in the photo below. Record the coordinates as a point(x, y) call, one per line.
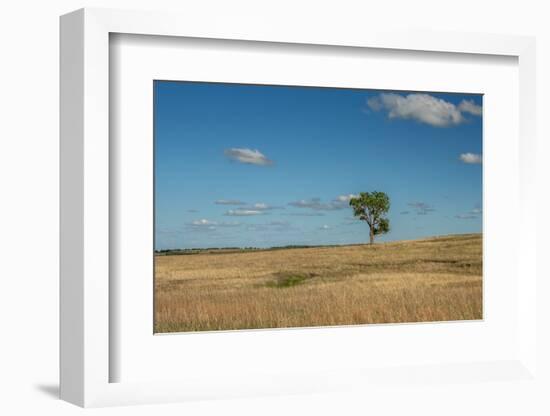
point(288, 246)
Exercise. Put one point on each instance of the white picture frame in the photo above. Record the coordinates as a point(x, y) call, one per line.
point(85, 204)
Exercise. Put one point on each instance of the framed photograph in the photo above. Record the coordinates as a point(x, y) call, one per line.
point(264, 217)
point(266, 211)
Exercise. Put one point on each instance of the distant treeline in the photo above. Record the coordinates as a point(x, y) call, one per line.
point(217, 250)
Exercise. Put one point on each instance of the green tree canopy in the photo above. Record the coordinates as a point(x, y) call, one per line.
point(372, 207)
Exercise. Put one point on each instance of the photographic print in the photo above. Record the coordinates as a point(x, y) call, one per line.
point(290, 206)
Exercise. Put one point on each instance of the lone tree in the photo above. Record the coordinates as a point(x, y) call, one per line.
point(372, 208)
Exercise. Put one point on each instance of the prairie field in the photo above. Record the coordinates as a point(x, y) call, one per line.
point(433, 279)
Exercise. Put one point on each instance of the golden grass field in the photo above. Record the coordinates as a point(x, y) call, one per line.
point(434, 279)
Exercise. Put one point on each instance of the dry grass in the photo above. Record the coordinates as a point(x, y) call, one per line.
point(437, 279)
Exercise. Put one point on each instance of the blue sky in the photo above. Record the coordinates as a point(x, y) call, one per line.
point(252, 165)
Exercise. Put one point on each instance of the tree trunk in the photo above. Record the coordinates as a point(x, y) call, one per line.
point(372, 235)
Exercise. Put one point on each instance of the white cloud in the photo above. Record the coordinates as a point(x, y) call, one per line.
point(324, 227)
point(468, 106)
point(249, 156)
point(470, 158)
point(423, 108)
point(203, 225)
point(203, 222)
point(470, 215)
point(345, 198)
point(340, 202)
point(316, 204)
point(261, 206)
point(243, 212)
point(228, 202)
point(421, 208)
point(306, 203)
